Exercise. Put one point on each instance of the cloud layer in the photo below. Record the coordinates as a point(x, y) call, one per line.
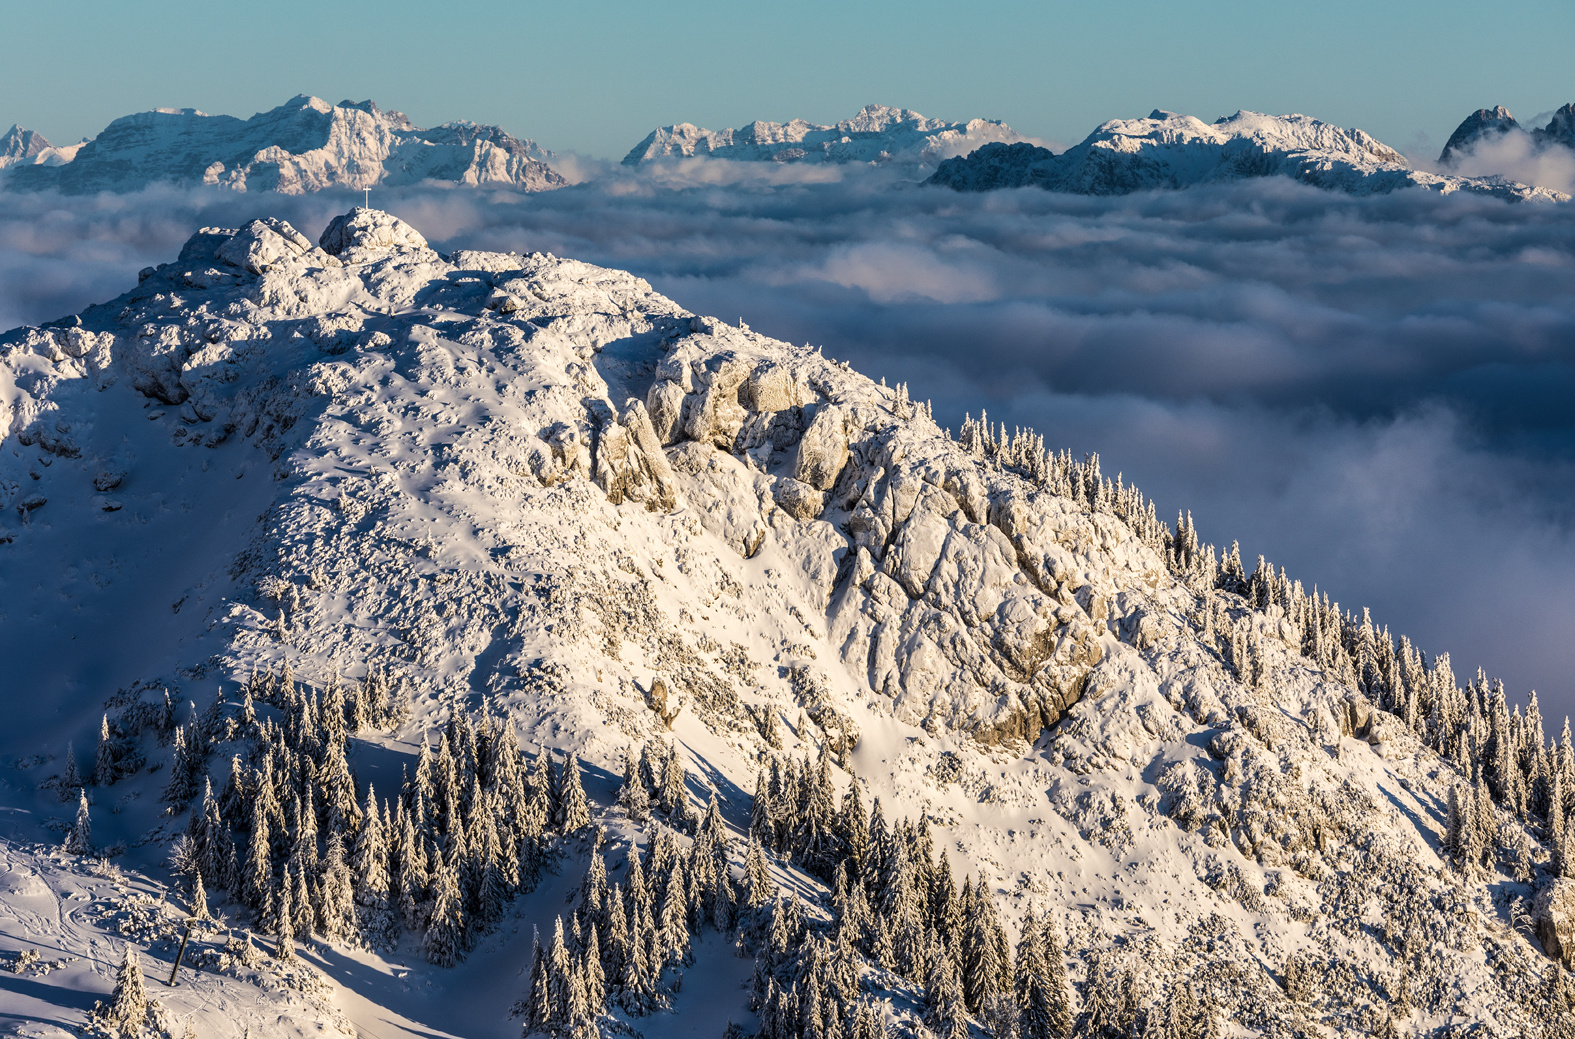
point(1375, 393)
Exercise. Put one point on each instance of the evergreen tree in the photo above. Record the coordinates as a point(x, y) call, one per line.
point(945, 1010)
point(675, 793)
point(538, 1000)
point(369, 856)
point(79, 840)
point(444, 937)
point(70, 778)
point(632, 796)
point(674, 924)
point(1034, 987)
point(595, 980)
point(257, 878)
point(759, 888)
point(566, 994)
point(104, 772)
point(199, 898)
point(1059, 990)
point(284, 919)
point(853, 829)
point(337, 914)
point(574, 812)
point(637, 978)
point(128, 1004)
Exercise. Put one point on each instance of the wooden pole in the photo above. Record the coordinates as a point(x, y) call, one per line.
point(179, 955)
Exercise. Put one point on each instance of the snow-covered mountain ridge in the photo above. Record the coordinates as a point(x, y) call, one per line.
point(877, 134)
point(1167, 150)
point(537, 494)
point(305, 144)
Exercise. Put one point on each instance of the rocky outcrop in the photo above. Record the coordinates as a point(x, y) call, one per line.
point(367, 234)
point(1553, 916)
point(1559, 131)
point(1483, 124)
point(261, 244)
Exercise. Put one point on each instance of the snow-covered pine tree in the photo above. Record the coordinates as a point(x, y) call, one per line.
point(538, 999)
point(1061, 1009)
point(945, 1007)
point(759, 888)
point(494, 892)
point(104, 772)
point(444, 938)
point(1032, 983)
point(637, 980)
point(877, 850)
point(284, 918)
point(369, 856)
point(866, 1022)
point(199, 898)
point(762, 827)
point(853, 829)
point(79, 839)
point(336, 915)
point(128, 1004)
point(633, 798)
point(70, 779)
point(673, 921)
point(411, 878)
point(257, 874)
point(574, 811)
point(617, 949)
point(594, 979)
point(565, 993)
point(942, 910)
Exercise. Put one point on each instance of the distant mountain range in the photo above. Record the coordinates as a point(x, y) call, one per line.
point(306, 144)
point(878, 134)
point(1167, 150)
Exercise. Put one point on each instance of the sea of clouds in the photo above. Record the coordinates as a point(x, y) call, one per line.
point(1377, 394)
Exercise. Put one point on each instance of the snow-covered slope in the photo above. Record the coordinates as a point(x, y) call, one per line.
point(306, 144)
point(1167, 150)
point(876, 134)
point(537, 493)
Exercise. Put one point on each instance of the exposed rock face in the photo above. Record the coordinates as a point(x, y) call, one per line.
point(1553, 914)
point(1560, 129)
point(877, 134)
point(1168, 151)
point(1479, 125)
point(823, 450)
point(303, 145)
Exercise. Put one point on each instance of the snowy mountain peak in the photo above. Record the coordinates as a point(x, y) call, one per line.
point(878, 133)
point(1167, 150)
point(19, 147)
point(305, 144)
point(19, 144)
point(375, 496)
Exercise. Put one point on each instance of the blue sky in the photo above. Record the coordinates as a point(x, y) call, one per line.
point(596, 76)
